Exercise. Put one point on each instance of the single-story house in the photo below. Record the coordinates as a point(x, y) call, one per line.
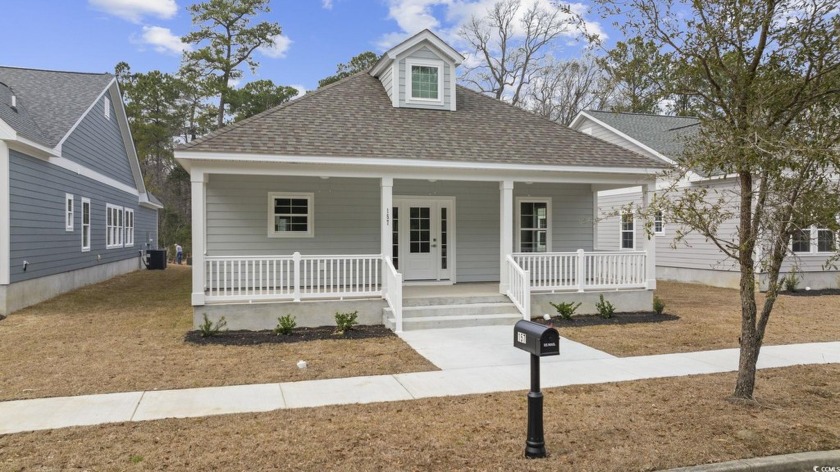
point(412, 200)
point(695, 259)
point(73, 206)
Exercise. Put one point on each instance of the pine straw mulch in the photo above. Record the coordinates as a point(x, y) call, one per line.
point(298, 335)
point(643, 425)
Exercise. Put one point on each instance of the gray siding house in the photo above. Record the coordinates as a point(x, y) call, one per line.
point(396, 183)
point(694, 260)
point(73, 207)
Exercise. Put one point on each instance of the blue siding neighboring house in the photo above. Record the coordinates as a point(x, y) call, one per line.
point(73, 207)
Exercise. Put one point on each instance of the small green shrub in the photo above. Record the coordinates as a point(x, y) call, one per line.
point(285, 324)
point(209, 329)
point(135, 459)
point(658, 305)
point(791, 281)
point(565, 309)
point(345, 321)
point(605, 308)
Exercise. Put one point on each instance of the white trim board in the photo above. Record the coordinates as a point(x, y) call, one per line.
point(67, 164)
point(5, 209)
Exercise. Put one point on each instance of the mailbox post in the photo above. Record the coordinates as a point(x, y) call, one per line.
point(538, 340)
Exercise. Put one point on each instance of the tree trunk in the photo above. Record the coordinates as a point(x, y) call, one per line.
point(750, 347)
point(750, 342)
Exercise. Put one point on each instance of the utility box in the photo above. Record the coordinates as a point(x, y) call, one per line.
point(535, 338)
point(157, 259)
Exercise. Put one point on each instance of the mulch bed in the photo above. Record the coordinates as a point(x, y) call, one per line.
point(812, 293)
point(617, 319)
point(250, 338)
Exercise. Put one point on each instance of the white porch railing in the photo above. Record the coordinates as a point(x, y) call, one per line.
point(295, 277)
point(392, 290)
point(557, 271)
point(519, 288)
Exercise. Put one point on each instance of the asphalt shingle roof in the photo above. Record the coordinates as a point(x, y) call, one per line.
point(665, 134)
point(48, 102)
point(354, 118)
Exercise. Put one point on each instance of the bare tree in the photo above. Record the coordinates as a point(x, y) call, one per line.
point(562, 89)
point(510, 45)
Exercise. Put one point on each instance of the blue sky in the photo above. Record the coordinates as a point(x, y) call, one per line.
point(93, 35)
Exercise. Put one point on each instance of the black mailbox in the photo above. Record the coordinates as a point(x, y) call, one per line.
point(535, 338)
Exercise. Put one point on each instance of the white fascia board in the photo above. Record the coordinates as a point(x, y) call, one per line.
point(632, 140)
point(383, 63)
point(6, 131)
point(67, 164)
point(79, 121)
point(426, 35)
point(145, 202)
point(5, 214)
point(31, 148)
point(183, 156)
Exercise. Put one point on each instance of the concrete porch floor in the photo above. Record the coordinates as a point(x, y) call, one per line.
point(469, 289)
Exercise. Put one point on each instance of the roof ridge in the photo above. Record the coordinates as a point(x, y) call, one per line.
point(231, 126)
point(636, 113)
point(55, 71)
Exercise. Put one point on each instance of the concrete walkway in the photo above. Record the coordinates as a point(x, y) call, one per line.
point(496, 373)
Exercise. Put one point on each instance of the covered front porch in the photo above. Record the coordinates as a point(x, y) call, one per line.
point(362, 237)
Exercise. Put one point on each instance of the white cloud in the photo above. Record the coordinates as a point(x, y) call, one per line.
point(300, 89)
point(162, 40)
point(280, 47)
point(327, 4)
point(135, 10)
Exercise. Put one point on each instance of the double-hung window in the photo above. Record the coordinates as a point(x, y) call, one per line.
point(425, 80)
point(129, 227)
point(534, 224)
point(68, 212)
point(291, 215)
point(113, 226)
point(628, 231)
point(813, 239)
point(658, 223)
point(85, 224)
point(801, 240)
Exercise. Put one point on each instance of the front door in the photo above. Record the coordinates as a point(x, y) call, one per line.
point(423, 237)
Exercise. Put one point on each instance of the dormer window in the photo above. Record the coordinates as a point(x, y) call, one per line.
point(426, 80)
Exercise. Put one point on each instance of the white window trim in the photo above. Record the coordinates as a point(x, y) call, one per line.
point(814, 241)
point(310, 215)
point(118, 226)
point(69, 212)
point(86, 201)
point(621, 231)
point(661, 223)
point(128, 242)
point(518, 220)
point(107, 103)
point(408, 85)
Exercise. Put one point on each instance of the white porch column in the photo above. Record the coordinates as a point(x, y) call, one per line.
point(387, 199)
point(505, 231)
point(5, 209)
point(198, 179)
point(650, 241)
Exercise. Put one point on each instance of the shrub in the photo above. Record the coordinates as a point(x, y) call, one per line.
point(344, 322)
point(605, 308)
point(791, 281)
point(209, 329)
point(285, 324)
point(658, 305)
point(565, 309)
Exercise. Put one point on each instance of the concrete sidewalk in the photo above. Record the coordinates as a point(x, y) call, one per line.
point(49, 413)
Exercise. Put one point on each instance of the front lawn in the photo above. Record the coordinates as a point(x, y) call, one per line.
point(127, 334)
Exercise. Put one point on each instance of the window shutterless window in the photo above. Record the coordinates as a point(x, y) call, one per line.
point(534, 224)
point(801, 240)
point(290, 215)
point(85, 224)
point(113, 226)
point(826, 241)
point(658, 223)
point(628, 231)
point(129, 228)
point(425, 80)
point(68, 212)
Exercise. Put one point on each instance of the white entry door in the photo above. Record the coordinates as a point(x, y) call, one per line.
point(423, 238)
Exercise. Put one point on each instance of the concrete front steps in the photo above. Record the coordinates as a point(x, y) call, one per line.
point(454, 312)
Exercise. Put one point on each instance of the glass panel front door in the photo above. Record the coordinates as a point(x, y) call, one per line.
point(423, 234)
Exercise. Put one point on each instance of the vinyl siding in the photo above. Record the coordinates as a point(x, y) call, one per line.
point(425, 53)
point(387, 80)
point(38, 235)
point(97, 144)
point(602, 133)
point(572, 225)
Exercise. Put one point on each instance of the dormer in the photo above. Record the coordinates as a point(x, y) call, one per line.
point(419, 73)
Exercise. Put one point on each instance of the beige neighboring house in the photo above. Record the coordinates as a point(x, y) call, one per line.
point(415, 201)
point(696, 260)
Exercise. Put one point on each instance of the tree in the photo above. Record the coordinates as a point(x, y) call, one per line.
point(562, 89)
point(258, 96)
point(766, 78)
point(228, 42)
point(510, 44)
point(363, 62)
point(637, 71)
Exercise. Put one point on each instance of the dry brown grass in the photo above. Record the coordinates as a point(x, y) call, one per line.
point(642, 425)
point(710, 318)
point(126, 334)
